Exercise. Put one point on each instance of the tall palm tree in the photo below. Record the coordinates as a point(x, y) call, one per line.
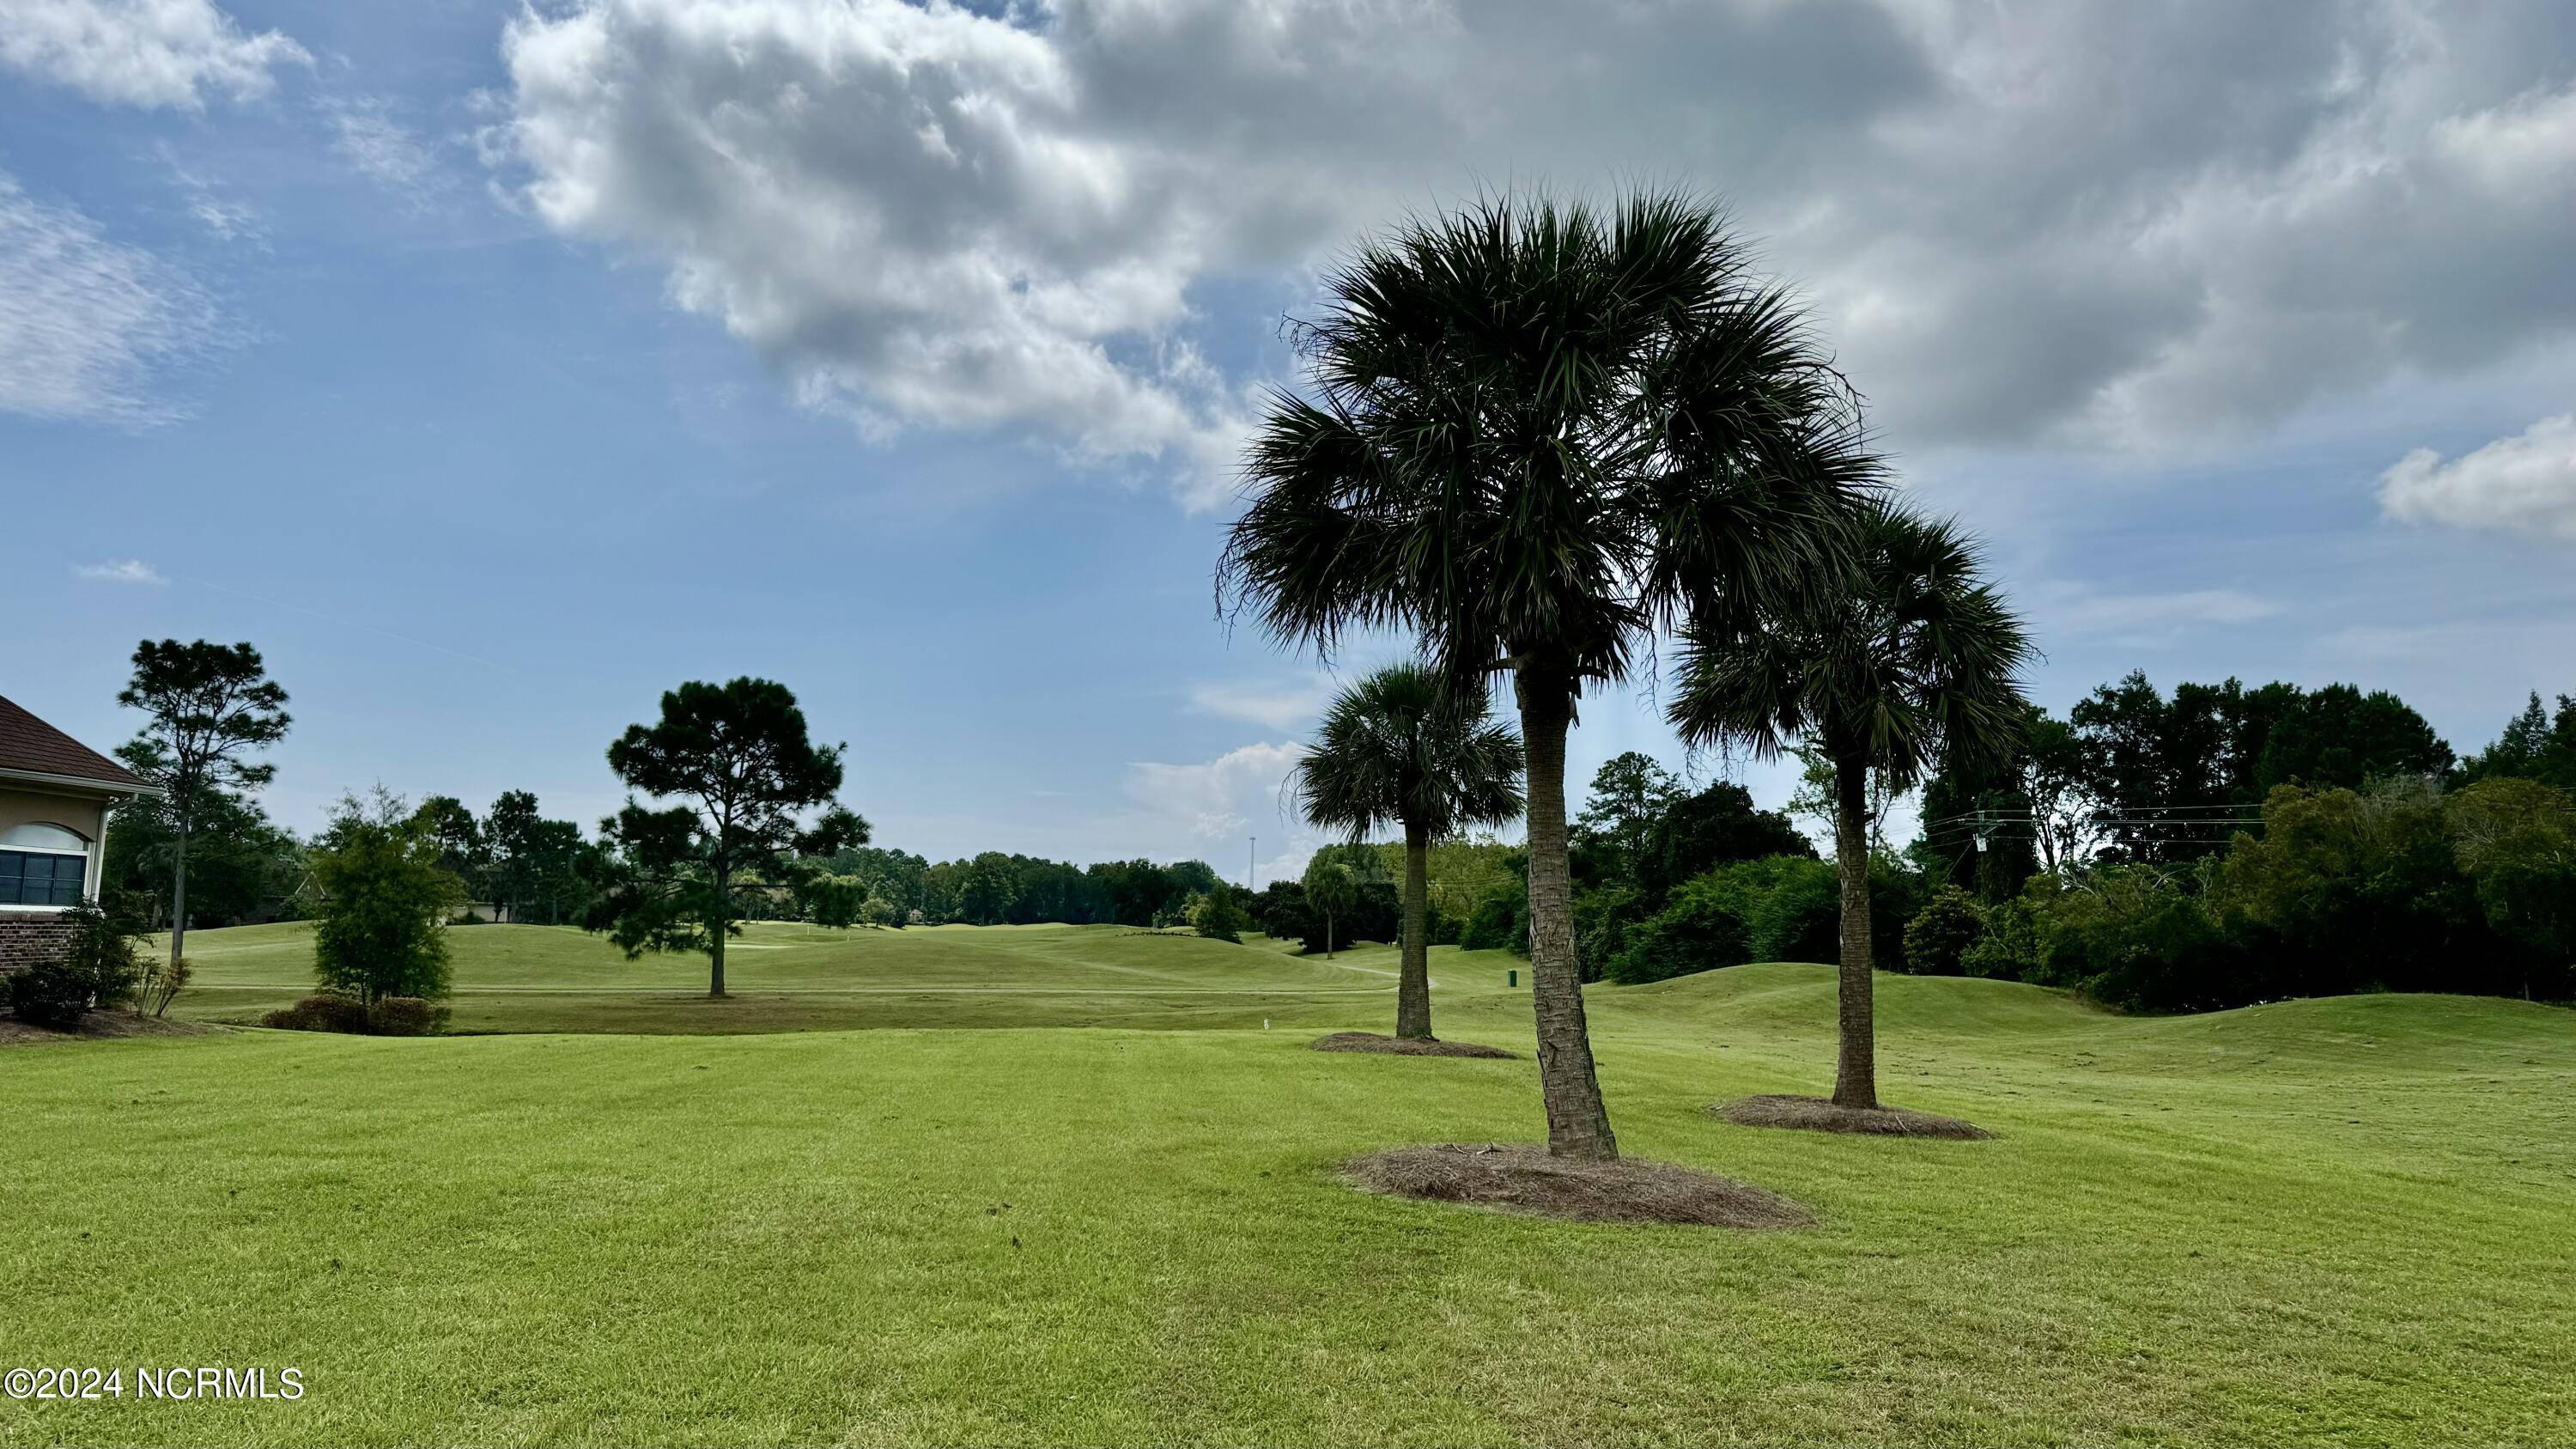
point(1915, 663)
point(1404, 747)
point(1537, 434)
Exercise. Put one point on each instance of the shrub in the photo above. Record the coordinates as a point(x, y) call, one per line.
point(49, 993)
point(1941, 933)
point(405, 1016)
point(2516, 842)
point(2006, 947)
point(1603, 917)
point(1801, 917)
point(1898, 892)
point(1218, 917)
point(1281, 912)
point(326, 1011)
point(160, 981)
point(99, 969)
point(382, 929)
point(2139, 938)
point(1439, 928)
point(1706, 924)
point(1497, 919)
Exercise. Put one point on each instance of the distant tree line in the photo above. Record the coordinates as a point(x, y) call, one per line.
point(2134, 775)
point(993, 888)
point(2210, 847)
point(2222, 845)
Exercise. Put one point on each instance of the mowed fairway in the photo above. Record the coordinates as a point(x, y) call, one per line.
point(2347, 1221)
point(784, 976)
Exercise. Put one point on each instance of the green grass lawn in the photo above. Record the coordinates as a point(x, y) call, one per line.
point(2330, 1221)
point(785, 976)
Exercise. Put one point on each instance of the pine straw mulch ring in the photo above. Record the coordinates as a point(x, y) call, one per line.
point(1405, 1046)
point(1527, 1180)
point(1818, 1114)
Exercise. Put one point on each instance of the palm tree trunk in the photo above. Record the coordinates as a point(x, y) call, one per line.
point(1578, 1125)
point(1856, 1070)
point(1413, 977)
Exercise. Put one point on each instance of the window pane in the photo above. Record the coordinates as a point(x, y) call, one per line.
point(68, 870)
point(28, 879)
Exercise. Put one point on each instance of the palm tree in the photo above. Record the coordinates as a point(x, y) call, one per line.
point(1403, 747)
point(1536, 435)
point(1915, 664)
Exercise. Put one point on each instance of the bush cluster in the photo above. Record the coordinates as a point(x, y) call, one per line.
point(1218, 915)
point(1778, 908)
point(385, 1016)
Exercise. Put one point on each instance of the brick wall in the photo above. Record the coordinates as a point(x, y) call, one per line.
point(26, 940)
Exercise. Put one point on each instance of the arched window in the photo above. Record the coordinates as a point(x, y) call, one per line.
point(42, 865)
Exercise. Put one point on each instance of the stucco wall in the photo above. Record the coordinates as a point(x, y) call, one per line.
point(86, 816)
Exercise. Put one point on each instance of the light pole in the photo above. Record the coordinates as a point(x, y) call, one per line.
point(1250, 852)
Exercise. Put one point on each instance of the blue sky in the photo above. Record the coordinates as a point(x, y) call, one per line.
point(494, 370)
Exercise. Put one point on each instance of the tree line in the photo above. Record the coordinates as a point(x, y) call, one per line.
point(994, 888)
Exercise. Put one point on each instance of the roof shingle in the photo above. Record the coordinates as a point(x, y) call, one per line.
point(29, 744)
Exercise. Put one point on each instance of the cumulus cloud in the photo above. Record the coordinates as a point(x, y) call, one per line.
point(2522, 484)
point(901, 207)
point(122, 571)
point(929, 214)
point(1239, 792)
point(142, 52)
point(88, 325)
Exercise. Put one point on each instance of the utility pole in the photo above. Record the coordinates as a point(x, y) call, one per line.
point(1250, 853)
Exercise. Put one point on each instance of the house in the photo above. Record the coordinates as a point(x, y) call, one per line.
point(54, 798)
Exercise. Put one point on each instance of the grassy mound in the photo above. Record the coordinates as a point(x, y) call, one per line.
point(1527, 1180)
point(786, 976)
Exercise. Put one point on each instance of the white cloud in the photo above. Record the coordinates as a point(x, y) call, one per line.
point(1244, 791)
point(1272, 706)
point(901, 207)
point(87, 324)
point(2522, 484)
point(2133, 618)
point(226, 219)
point(142, 52)
point(926, 214)
point(122, 571)
point(365, 133)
